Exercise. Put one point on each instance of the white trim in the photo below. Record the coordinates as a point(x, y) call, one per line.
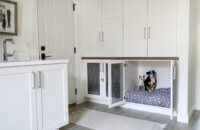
point(134, 106)
point(148, 108)
point(99, 101)
point(191, 112)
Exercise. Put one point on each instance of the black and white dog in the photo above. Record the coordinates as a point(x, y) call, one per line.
point(151, 81)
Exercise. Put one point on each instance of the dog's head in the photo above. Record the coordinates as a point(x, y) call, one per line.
point(151, 73)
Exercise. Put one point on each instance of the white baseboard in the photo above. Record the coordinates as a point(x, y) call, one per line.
point(95, 100)
point(134, 106)
point(191, 112)
point(148, 108)
point(184, 118)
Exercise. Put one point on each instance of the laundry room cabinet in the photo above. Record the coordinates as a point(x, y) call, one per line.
point(150, 28)
point(101, 32)
point(129, 28)
point(106, 81)
point(36, 96)
point(115, 83)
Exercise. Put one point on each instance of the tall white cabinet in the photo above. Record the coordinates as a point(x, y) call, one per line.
point(101, 31)
point(90, 28)
point(150, 28)
point(34, 97)
point(130, 28)
point(162, 27)
point(135, 28)
point(112, 28)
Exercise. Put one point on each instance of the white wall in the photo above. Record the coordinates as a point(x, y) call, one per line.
point(27, 40)
point(162, 69)
point(195, 42)
point(192, 56)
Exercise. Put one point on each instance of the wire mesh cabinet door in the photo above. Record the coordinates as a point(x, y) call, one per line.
point(116, 83)
point(93, 73)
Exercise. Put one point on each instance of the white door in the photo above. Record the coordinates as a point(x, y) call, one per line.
point(112, 28)
point(17, 99)
point(116, 83)
point(162, 28)
point(55, 19)
point(135, 28)
point(52, 97)
point(90, 28)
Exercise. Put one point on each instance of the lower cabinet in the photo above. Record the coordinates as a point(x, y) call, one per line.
point(106, 81)
point(52, 99)
point(34, 97)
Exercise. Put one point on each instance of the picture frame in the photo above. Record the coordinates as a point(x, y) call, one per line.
point(8, 18)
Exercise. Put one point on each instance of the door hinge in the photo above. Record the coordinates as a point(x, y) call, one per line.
point(74, 7)
point(76, 91)
point(74, 50)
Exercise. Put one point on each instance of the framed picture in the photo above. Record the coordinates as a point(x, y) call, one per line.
point(8, 17)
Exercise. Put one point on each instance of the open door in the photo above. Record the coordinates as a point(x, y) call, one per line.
point(116, 83)
point(173, 77)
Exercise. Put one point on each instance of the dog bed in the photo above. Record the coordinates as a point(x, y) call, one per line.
point(160, 97)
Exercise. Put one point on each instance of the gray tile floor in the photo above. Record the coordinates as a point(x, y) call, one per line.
point(171, 124)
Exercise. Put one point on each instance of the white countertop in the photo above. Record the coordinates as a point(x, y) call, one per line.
point(29, 63)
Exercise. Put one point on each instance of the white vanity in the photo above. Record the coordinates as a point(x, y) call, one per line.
point(33, 95)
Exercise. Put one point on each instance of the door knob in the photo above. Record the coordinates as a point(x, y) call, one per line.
point(43, 56)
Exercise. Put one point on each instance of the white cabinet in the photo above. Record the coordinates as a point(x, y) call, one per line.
point(150, 28)
point(116, 83)
point(106, 80)
point(101, 32)
point(135, 28)
point(162, 25)
point(34, 98)
point(52, 97)
point(90, 28)
point(130, 28)
point(112, 28)
point(17, 99)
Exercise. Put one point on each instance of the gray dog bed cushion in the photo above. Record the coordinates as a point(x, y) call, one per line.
point(160, 97)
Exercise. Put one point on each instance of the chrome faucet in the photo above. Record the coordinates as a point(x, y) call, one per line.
point(5, 53)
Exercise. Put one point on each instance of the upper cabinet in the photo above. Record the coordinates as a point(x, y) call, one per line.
point(130, 28)
point(162, 27)
point(101, 28)
point(112, 27)
point(90, 28)
point(150, 28)
point(135, 28)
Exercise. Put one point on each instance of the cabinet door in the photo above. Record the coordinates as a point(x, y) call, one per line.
point(93, 76)
point(17, 99)
point(90, 28)
point(162, 27)
point(135, 28)
point(112, 28)
point(52, 97)
point(116, 84)
point(173, 77)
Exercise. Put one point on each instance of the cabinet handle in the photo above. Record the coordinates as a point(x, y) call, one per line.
point(100, 36)
point(39, 79)
point(149, 32)
point(34, 81)
point(145, 33)
point(103, 36)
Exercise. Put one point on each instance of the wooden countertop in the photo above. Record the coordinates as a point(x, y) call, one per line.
point(130, 58)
